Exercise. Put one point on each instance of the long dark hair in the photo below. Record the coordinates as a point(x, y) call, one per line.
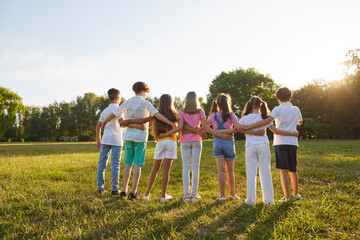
point(224, 105)
point(214, 107)
point(256, 101)
point(166, 108)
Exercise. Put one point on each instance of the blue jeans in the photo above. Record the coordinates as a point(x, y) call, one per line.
point(115, 166)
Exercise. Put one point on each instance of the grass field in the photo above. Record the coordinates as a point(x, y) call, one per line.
point(48, 191)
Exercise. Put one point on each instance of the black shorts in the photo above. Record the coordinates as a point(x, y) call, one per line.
point(285, 156)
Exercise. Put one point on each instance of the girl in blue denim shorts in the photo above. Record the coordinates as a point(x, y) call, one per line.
point(223, 119)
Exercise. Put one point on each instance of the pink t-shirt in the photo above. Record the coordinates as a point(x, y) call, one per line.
point(193, 120)
point(228, 124)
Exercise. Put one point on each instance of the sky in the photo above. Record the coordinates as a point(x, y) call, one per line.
point(58, 50)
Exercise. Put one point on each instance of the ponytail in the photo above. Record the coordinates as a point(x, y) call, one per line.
point(247, 109)
point(224, 104)
point(264, 110)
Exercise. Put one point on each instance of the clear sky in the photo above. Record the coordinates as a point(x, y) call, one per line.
point(57, 50)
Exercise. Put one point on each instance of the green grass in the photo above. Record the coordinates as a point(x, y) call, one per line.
point(48, 190)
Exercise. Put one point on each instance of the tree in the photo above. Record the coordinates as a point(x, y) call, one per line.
point(10, 105)
point(241, 84)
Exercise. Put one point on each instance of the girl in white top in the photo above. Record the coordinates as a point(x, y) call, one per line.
point(257, 151)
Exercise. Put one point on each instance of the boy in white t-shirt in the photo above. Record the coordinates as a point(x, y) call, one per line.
point(110, 141)
point(286, 118)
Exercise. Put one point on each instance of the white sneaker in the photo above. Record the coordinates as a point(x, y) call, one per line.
point(187, 198)
point(249, 203)
point(167, 197)
point(297, 197)
point(235, 197)
point(145, 198)
point(284, 199)
point(195, 198)
point(221, 199)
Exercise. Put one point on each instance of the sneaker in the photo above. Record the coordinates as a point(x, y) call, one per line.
point(221, 199)
point(187, 198)
point(122, 194)
point(145, 198)
point(101, 191)
point(284, 199)
point(167, 197)
point(115, 192)
point(297, 197)
point(235, 197)
point(195, 198)
point(249, 203)
point(132, 196)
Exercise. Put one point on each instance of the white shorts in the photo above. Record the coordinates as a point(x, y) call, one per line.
point(165, 149)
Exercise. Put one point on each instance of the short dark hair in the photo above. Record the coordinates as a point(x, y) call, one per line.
point(140, 86)
point(283, 94)
point(113, 93)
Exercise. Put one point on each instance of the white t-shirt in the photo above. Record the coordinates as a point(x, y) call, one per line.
point(112, 132)
point(286, 118)
point(252, 139)
point(134, 108)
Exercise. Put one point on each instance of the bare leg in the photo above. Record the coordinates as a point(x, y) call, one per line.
point(294, 183)
point(136, 178)
point(230, 176)
point(284, 179)
point(220, 162)
point(152, 177)
point(126, 177)
point(166, 175)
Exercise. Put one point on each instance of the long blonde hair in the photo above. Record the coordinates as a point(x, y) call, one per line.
point(191, 103)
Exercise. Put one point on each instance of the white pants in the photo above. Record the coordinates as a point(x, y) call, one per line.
point(254, 154)
point(191, 154)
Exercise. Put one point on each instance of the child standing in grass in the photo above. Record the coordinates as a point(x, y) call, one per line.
point(286, 118)
point(135, 140)
point(224, 150)
point(166, 147)
point(111, 141)
point(191, 144)
point(257, 151)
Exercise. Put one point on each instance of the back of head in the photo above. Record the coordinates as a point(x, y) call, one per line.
point(139, 87)
point(214, 107)
point(113, 93)
point(224, 105)
point(191, 104)
point(256, 102)
point(283, 94)
point(166, 108)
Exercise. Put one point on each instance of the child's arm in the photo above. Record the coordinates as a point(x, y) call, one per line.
point(282, 132)
point(98, 135)
point(257, 124)
point(255, 133)
point(174, 130)
point(300, 122)
point(189, 129)
point(135, 123)
point(215, 132)
point(108, 118)
point(162, 118)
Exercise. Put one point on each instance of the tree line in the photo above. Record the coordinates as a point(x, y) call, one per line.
point(329, 109)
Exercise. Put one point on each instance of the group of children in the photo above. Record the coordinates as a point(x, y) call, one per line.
point(135, 114)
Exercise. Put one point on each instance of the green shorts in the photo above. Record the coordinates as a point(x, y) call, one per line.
point(134, 153)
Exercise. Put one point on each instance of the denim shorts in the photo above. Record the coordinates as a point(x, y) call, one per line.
point(224, 148)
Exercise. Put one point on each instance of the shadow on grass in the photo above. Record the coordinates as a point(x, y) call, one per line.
point(244, 221)
point(123, 225)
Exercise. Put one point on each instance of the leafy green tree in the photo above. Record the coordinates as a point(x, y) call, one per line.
point(10, 106)
point(241, 84)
